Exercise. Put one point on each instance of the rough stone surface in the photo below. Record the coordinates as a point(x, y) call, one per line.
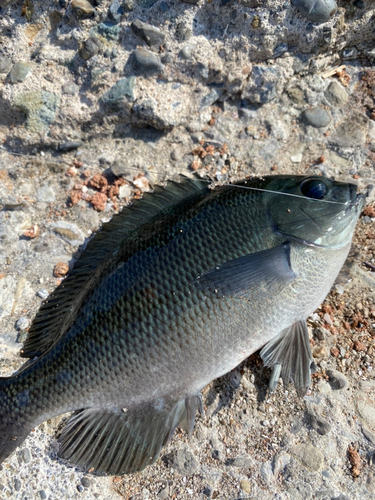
point(221, 95)
point(310, 456)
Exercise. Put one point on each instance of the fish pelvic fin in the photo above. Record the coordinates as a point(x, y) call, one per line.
point(289, 355)
point(122, 441)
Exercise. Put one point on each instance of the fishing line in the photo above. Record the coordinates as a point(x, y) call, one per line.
point(289, 194)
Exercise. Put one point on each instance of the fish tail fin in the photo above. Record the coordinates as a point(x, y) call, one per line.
point(121, 441)
point(13, 429)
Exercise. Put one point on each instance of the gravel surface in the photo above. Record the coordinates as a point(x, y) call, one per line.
point(100, 100)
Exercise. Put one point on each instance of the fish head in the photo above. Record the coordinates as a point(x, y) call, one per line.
point(315, 211)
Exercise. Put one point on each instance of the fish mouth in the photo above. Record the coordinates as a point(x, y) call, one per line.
point(356, 205)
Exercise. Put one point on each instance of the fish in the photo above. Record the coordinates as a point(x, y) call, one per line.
point(175, 291)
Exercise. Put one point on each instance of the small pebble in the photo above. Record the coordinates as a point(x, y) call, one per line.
point(217, 455)
point(317, 422)
point(146, 62)
point(183, 460)
point(263, 84)
point(45, 194)
point(43, 293)
point(5, 64)
point(40, 107)
point(182, 32)
point(19, 72)
point(110, 31)
point(69, 232)
point(336, 94)
point(337, 379)
point(296, 158)
point(208, 491)
point(245, 486)
point(318, 11)
point(187, 51)
point(310, 456)
point(122, 90)
point(65, 147)
point(240, 462)
point(349, 53)
point(90, 48)
point(60, 270)
point(25, 455)
point(70, 88)
point(85, 481)
point(42, 494)
point(17, 484)
point(115, 11)
point(82, 9)
point(317, 117)
point(151, 35)
point(22, 323)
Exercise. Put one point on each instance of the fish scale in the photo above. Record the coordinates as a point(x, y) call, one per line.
point(172, 293)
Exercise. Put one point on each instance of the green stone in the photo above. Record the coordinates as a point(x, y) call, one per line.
point(40, 108)
point(19, 72)
point(107, 30)
point(122, 89)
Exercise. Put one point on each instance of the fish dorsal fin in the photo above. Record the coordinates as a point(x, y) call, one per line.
point(58, 312)
point(289, 354)
point(249, 272)
point(124, 441)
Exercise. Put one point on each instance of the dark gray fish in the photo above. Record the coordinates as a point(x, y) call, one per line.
point(175, 291)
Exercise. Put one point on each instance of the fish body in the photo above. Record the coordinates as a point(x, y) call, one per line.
point(174, 292)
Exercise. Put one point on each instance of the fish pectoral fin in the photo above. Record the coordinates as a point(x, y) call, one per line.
point(267, 267)
point(122, 441)
point(289, 355)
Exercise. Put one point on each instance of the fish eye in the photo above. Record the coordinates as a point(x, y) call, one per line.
point(313, 188)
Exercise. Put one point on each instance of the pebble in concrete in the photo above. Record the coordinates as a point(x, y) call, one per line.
point(310, 456)
point(317, 117)
point(122, 90)
point(318, 11)
point(5, 64)
point(90, 48)
point(145, 62)
point(19, 72)
point(151, 35)
point(40, 108)
point(68, 232)
point(336, 94)
point(82, 9)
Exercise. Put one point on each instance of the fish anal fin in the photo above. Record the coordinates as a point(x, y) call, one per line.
point(267, 267)
point(289, 355)
point(122, 441)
